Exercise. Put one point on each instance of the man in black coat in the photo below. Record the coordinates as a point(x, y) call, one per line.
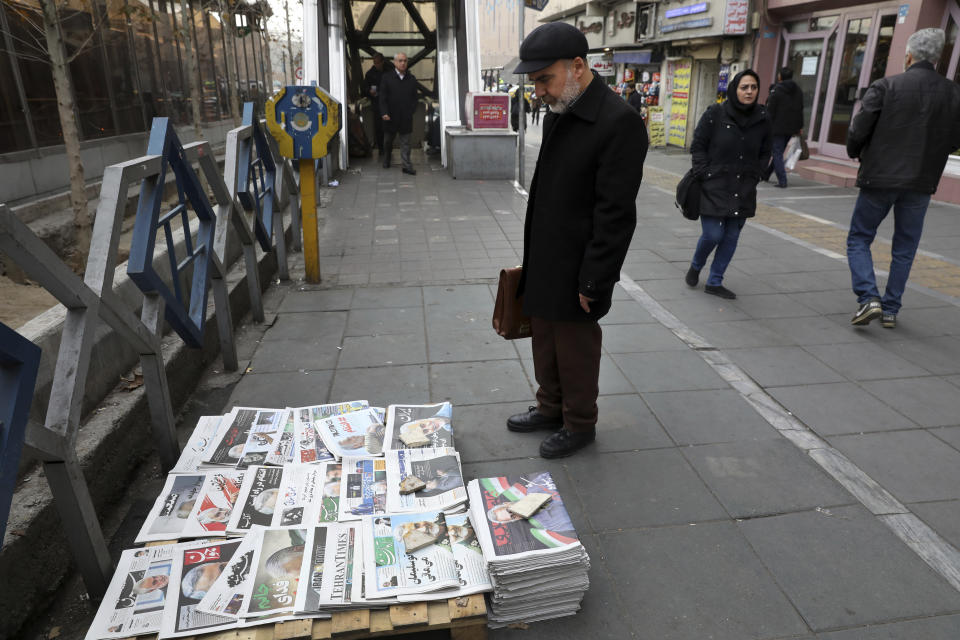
point(581, 214)
point(907, 126)
point(785, 110)
point(398, 99)
point(371, 83)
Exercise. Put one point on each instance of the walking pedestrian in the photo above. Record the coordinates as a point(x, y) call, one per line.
point(515, 108)
point(907, 126)
point(731, 149)
point(785, 110)
point(372, 82)
point(535, 104)
point(635, 100)
point(580, 218)
point(398, 100)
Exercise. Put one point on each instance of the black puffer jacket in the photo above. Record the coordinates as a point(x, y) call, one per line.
point(785, 108)
point(729, 160)
point(908, 125)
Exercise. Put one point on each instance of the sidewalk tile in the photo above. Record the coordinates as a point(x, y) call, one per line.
point(865, 361)
point(950, 435)
point(943, 517)
point(626, 312)
point(281, 389)
point(383, 350)
point(478, 318)
point(939, 628)
point(704, 308)
point(772, 306)
point(764, 477)
point(668, 371)
point(634, 338)
point(481, 434)
point(685, 582)
point(831, 409)
point(462, 346)
point(783, 366)
point(371, 322)
point(940, 356)
point(930, 402)
point(294, 355)
point(641, 489)
point(479, 382)
point(625, 423)
point(382, 385)
point(742, 333)
point(816, 330)
point(612, 381)
point(705, 417)
point(320, 326)
point(384, 297)
point(827, 563)
point(329, 300)
point(912, 465)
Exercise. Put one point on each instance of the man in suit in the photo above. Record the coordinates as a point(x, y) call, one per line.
point(581, 214)
point(398, 99)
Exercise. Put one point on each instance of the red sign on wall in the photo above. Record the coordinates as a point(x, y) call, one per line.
point(735, 17)
point(489, 111)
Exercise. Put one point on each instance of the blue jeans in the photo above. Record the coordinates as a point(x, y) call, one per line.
point(873, 205)
point(779, 144)
point(722, 234)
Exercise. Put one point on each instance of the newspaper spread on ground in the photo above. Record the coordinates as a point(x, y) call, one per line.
point(434, 419)
point(202, 438)
point(282, 452)
point(309, 446)
point(358, 434)
point(133, 604)
point(195, 569)
point(265, 433)
point(257, 499)
point(232, 438)
point(300, 495)
point(329, 507)
point(438, 468)
point(391, 571)
point(471, 565)
point(214, 504)
point(363, 488)
point(172, 508)
point(332, 571)
point(225, 596)
point(276, 573)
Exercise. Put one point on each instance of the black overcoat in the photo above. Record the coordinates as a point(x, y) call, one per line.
point(729, 159)
point(785, 108)
point(582, 207)
point(398, 99)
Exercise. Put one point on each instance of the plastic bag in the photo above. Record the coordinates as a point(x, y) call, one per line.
point(792, 153)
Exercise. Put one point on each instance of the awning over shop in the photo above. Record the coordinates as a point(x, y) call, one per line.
point(632, 57)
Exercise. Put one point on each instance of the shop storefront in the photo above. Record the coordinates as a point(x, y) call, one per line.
point(836, 54)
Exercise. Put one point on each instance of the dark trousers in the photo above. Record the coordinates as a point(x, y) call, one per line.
point(566, 364)
point(377, 127)
point(404, 138)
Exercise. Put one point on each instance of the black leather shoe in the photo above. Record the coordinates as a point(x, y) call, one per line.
point(692, 277)
point(411, 172)
point(564, 443)
point(720, 290)
point(532, 420)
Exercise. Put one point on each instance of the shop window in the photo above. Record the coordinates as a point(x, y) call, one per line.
point(646, 22)
point(83, 43)
point(13, 121)
point(822, 98)
point(944, 65)
point(882, 50)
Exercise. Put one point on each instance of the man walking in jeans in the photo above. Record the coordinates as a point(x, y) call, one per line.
point(907, 126)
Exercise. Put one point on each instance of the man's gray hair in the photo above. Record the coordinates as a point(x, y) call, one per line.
point(926, 44)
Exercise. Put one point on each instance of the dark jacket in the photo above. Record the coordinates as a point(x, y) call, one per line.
point(515, 110)
point(785, 108)
point(582, 207)
point(636, 101)
point(729, 160)
point(907, 126)
point(372, 81)
point(398, 99)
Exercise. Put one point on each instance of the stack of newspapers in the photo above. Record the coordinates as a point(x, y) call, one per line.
point(537, 565)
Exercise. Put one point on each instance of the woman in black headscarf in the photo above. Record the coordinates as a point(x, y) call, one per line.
point(731, 147)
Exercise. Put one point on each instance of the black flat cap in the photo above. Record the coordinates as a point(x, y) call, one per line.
point(548, 43)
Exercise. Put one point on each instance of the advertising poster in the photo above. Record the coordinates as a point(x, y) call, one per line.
point(680, 70)
point(657, 129)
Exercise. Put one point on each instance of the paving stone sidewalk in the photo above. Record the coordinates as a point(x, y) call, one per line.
point(702, 519)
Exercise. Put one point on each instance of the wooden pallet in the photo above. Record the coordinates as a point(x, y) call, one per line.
point(465, 617)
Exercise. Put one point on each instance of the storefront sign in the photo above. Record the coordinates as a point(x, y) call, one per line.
point(686, 11)
point(809, 67)
point(601, 64)
point(902, 13)
point(686, 24)
point(488, 111)
point(656, 129)
point(722, 80)
point(735, 17)
point(680, 70)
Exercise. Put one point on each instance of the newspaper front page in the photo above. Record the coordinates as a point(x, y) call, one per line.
point(214, 505)
point(276, 573)
point(168, 517)
point(282, 452)
point(309, 446)
point(225, 597)
point(202, 439)
point(502, 533)
point(391, 571)
point(195, 569)
point(332, 571)
point(438, 468)
point(357, 434)
point(232, 438)
point(257, 499)
point(265, 433)
point(363, 489)
point(434, 419)
point(300, 496)
point(133, 604)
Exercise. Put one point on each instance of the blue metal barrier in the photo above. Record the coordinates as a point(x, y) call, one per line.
point(19, 361)
point(184, 314)
point(257, 171)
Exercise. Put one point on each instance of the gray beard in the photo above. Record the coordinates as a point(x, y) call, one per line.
point(571, 90)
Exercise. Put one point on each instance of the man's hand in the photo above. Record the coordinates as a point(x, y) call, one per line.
point(585, 302)
point(386, 117)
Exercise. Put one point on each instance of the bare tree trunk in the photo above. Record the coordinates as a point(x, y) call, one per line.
point(229, 27)
point(193, 69)
point(82, 220)
point(266, 53)
point(286, 11)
